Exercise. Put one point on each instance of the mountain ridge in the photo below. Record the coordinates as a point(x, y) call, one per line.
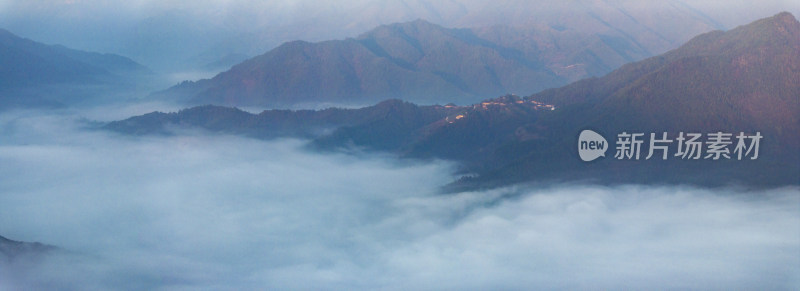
point(416, 61)
point(34, 74)
point(693, 88)
point(11, 249)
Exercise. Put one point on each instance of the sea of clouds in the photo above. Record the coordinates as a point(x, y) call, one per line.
point(209, 211)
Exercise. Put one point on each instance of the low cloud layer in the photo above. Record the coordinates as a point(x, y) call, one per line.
point(223, 212)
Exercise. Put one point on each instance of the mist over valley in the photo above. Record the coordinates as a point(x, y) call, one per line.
point(399, 145)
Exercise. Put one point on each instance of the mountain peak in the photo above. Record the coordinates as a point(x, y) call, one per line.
point(410, 27)
point(419, 22)
point(776, 31)
point(783, 17)
point(784, 23)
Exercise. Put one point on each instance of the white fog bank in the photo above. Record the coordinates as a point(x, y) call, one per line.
point(223, 212)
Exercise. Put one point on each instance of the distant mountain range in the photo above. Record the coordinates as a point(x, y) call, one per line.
point(517, 47)
point(415, 61)
point(743, 80)
point(11, 249)
point(36, 74)
point(189, 37)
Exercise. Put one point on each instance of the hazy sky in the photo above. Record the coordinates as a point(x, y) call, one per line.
point(220, 212)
